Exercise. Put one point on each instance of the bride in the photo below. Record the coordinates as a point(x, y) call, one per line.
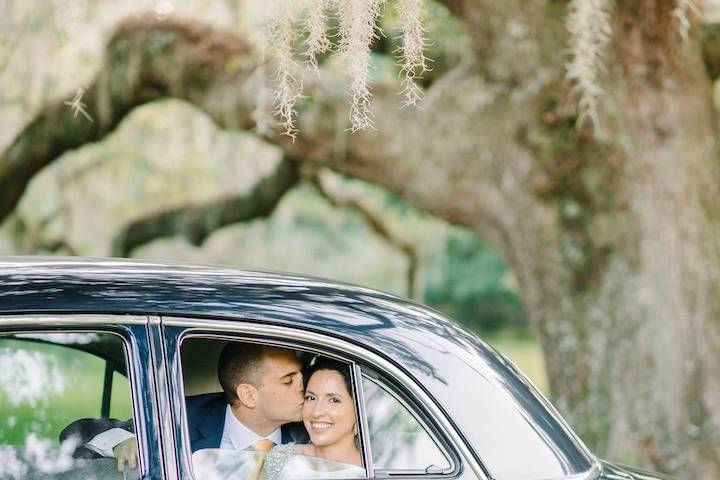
point(330, 419)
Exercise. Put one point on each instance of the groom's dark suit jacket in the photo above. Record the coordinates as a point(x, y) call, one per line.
point(205, 416)
point(206, 419)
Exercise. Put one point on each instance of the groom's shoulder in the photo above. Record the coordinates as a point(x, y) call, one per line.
point(205, 401)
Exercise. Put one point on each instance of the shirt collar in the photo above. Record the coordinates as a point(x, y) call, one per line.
point(241, 436)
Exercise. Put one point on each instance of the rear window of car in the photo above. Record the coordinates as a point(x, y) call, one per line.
point(48, 380)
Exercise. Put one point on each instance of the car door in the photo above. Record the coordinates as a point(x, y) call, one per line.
point(423, 442)
point(60, 368)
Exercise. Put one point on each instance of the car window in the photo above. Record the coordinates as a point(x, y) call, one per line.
point(239, 394)
point(47, 382)
point(398, 441)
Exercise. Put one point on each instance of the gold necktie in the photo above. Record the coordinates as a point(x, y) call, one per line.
point(262, 447)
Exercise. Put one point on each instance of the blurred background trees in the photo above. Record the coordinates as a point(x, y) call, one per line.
point(169, 154)
point(609, 228)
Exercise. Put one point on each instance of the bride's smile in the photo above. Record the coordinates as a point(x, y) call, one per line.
point(329, 411)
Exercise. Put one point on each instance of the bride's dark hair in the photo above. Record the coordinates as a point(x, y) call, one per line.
point(325, 363)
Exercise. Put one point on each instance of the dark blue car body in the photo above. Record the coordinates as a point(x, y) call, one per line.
point(497, 424)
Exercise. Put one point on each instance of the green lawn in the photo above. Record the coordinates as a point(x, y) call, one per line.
point(48, 387)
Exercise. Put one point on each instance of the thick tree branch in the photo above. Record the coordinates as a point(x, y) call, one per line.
point(197, 222)
point(148, 60)
point(531, 32)
point(584, 219)
point(377, 224)
point(425, 156)
point(145, 60)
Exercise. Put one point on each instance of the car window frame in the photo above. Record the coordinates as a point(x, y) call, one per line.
point(220, 337)
point(131, 329)
point(177, 328)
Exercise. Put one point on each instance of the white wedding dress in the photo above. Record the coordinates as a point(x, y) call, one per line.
point(283, 463)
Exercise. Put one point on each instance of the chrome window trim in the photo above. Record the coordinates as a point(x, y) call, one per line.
point(88, 319)
point(590, 474)
point(294, 334)
point(362, 420)
point(162, 386)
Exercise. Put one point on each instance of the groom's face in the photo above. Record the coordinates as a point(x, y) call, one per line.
point(280, 387)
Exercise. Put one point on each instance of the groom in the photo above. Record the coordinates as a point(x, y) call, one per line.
point(263, 396)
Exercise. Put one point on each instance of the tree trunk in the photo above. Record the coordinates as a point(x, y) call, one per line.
point(646, 324)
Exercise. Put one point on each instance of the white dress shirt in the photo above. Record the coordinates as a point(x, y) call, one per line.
point(225, 463)
point(237, 436)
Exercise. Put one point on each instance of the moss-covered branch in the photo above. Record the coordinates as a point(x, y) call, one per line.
point(197, 222)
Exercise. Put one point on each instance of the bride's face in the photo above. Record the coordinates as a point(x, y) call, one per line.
point(329, 410)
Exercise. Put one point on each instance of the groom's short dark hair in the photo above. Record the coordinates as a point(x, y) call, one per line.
point(240, 363)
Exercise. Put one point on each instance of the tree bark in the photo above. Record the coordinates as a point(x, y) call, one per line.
point(662, 274)
point(613, 232)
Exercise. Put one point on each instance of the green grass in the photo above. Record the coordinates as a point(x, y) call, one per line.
point(525, 352)
point(46, 414)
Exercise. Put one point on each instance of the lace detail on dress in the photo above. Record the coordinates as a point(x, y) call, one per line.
point(277, 459)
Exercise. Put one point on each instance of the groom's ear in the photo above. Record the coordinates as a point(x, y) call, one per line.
point(247, 394)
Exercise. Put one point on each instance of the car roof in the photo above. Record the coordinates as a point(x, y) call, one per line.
point(380, 322)
point(121, 286)
point(94, 285)
point(55, 285)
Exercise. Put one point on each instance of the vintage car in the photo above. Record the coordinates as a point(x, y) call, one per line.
point(84, 338)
